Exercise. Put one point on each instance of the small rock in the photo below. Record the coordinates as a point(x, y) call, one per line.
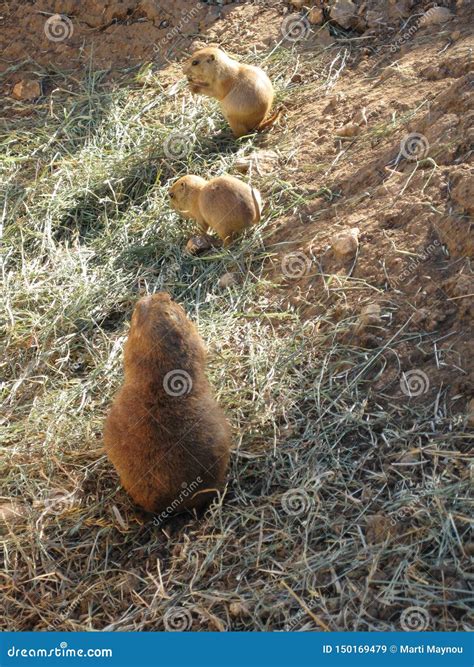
point(316, 16)
point(227, 280)
point(324, 37)
point(198, 244)
point(298, 4)
point(436, 16)
point(346, 244)
point(369, 317)
point(264, 162)
point(296, 78)
point(238, 609)
point(26, 89)
point(344, 12)
point(349, 130)
point(455, 35)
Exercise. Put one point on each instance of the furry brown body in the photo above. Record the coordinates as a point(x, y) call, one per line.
point(165, 433)
point(224, 204)
point(245, 93)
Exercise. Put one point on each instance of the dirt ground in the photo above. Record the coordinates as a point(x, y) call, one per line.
point(376, 146)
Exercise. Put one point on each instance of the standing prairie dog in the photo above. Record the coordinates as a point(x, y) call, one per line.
point(225, 204)
point(165, 433)
point(245, 92)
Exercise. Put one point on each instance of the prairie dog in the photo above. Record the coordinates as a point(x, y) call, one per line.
point(245, 92)
point(165, 432)
point(225, 204)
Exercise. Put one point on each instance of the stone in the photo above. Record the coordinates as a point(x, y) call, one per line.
point(344, 12)
point(298, 4)
point(346, 244)
point(370, 316)
point(436, 16)
point(26, 90)
point(316, 16)
point(199, 244)
point(263, 162)
point(227, 280)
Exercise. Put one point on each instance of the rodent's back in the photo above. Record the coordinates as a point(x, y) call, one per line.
point(165, 429)
point(228, 205)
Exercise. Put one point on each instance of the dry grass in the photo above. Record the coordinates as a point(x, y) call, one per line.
point(341, 510)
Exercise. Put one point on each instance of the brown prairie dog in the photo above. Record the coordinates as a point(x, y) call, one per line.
point(245, 92)
point(165, 434)
point(224, 204)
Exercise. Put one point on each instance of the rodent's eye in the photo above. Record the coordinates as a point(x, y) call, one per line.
point(171, 195)
point(195, 62)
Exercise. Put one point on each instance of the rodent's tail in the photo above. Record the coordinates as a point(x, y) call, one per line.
point(257, 200)
point(270, 122)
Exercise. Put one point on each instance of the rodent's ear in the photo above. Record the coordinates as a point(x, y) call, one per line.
point(141, 311)
point(211, 59)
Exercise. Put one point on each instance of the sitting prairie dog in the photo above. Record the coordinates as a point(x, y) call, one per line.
point(225, 204)
point(245, 92)
point(165, 434)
